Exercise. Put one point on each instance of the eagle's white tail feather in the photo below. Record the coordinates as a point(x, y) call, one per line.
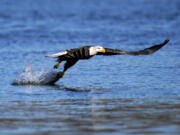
point(57, 54)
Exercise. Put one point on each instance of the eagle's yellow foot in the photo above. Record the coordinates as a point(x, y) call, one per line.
point(56, 65)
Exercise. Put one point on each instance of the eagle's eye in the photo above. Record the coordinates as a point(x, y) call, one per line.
point(99, 48)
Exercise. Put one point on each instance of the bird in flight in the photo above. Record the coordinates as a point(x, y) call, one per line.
point(72, 56)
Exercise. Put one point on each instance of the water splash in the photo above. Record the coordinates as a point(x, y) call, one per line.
point(29, 76)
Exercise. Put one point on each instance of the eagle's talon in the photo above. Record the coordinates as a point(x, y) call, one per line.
point(61, 74)
point(56, 65)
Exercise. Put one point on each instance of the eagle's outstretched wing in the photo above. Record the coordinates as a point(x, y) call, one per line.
point(145, 51)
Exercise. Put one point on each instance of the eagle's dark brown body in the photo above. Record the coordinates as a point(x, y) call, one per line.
point(76, 54)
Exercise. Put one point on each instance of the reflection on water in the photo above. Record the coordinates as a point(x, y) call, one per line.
point(92, 115)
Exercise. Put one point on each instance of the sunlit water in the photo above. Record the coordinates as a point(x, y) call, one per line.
point(104, 95)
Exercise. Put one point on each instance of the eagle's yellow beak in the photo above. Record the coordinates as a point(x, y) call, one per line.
point(102, 50)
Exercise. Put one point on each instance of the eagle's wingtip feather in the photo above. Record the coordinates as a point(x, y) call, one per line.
point(166, 41)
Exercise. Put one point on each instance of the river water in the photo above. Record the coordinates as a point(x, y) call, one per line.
point(113, 95)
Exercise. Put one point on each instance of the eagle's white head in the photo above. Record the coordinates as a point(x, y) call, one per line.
point(95, 49)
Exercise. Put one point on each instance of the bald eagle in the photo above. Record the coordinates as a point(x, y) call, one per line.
point(72, 56)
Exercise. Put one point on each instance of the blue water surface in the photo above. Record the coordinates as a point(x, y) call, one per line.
point(104, 95)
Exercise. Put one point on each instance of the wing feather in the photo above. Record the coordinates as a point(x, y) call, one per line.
point(145, 51)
